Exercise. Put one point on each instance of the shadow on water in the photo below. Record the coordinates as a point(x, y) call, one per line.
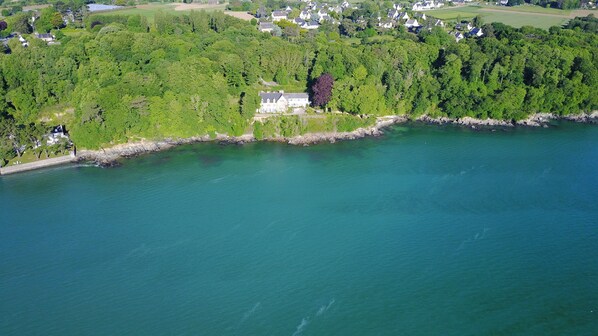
point(210, 160)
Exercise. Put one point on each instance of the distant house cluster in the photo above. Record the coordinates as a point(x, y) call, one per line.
point(396, 17)
point(413, 18)
point(426, 5)
point(311, 17)
point(281, 102)
point(466, 29)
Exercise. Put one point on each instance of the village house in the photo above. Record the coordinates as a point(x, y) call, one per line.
point(393, 14)
point(281, 102)
point(476, 32)
point(45, 37)
point(24, 42)
point(279, 15)
point(311, 25)
point(458, 36)
point(411, 23)
point(266, 27)
point(426, 5)
point(403, 16)
point(305, 15)
point(439, 23)
point(386, 24)
point(464, 26)
point(56, 135)
point(421, 16)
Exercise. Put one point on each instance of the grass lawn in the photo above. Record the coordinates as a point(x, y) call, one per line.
point(29, 156)
point(518, 16)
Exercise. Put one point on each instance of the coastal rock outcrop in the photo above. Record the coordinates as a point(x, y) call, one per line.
point(332, 137)
point(109, 156)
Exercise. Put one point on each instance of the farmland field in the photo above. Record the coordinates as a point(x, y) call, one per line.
point(150, 10)
point(514, 16)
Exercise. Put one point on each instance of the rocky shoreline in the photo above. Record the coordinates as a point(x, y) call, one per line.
point(535, 120)
point(109, 156)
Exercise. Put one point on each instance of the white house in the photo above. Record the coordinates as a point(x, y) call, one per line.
point(458, 36)
point(305, 15)
point(411, 23)
point(45, 37)
point(311, 25)
point(404, 16)
point(24, 42)
point(476, 32)
point(464, 26)
point(421, 16)
point(56, 135)
point(280, 102)
point(386, 24)
point(279, 15)
point(266, 27)
point(438, 23)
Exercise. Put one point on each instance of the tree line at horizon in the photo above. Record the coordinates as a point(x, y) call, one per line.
point(199, 73)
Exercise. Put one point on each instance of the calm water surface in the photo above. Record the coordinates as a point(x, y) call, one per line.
point(425, 231)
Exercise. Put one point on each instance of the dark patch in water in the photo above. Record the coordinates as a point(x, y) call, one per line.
point(159, 160)
point(208, 160)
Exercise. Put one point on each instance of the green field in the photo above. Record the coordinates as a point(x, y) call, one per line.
point(151, 9)
point(514, 16)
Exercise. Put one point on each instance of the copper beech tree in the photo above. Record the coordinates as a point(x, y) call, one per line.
point(322, 89)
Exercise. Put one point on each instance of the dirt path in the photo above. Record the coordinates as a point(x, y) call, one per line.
point(240, 15)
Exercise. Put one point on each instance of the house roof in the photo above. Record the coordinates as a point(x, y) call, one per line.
point(296, 95)
point(266, 25)
point(279, 13)
point(275, 96)
point(41, 36)
point(476, 31)
point(58, 129)
point(272, 96)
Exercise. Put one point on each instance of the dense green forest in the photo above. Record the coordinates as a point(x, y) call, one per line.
point(123, 78)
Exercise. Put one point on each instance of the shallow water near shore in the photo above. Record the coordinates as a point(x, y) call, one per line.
point(427, 230)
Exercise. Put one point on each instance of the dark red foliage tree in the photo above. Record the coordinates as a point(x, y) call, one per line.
point(322, 89)
point(3, 25)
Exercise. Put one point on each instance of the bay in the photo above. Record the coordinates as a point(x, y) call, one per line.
point(425, 231)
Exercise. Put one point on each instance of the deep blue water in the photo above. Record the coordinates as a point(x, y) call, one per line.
point(424, 231)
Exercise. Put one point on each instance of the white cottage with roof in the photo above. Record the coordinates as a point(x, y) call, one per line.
point(281, 102)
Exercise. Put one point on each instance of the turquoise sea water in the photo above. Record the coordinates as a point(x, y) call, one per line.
point(425, 231)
